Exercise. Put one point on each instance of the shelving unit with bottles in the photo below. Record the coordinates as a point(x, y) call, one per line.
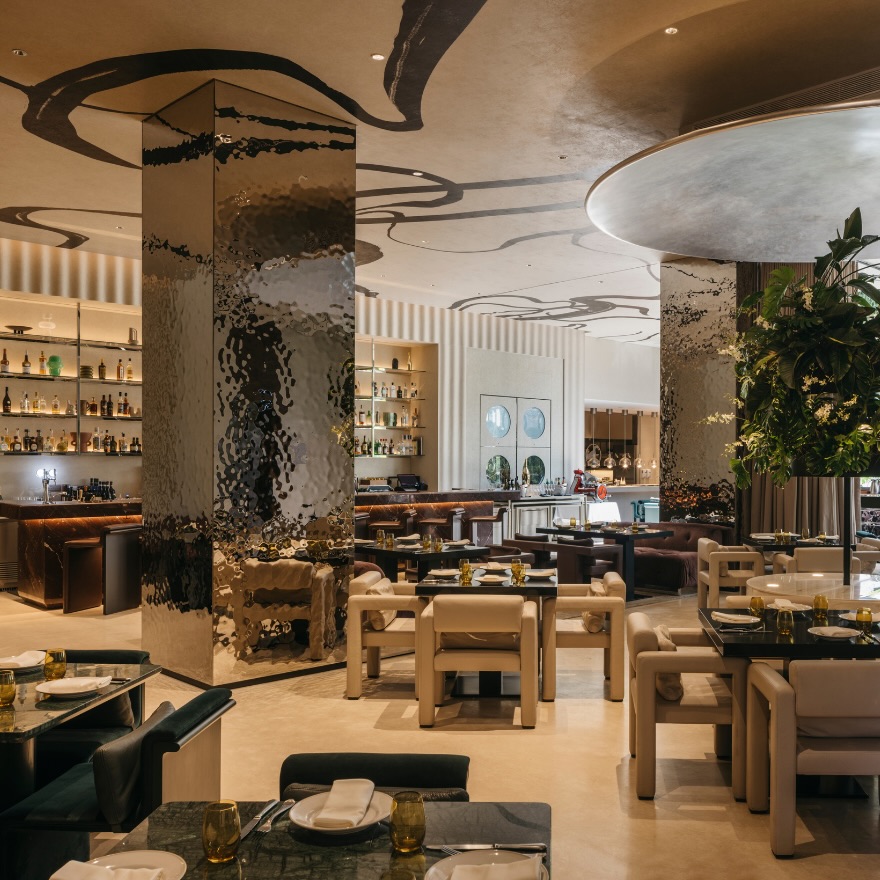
point(52, 381)
point(393, 407)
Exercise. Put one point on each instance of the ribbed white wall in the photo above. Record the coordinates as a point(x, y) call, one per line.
point(455, 332)
point(72, 274)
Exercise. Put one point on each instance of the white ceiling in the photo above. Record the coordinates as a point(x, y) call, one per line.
point(510, 108)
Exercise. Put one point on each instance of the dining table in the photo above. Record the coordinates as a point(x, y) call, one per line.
point(289, 851)
point(862, 587)
point(387, 558)
point(32, 714)
point(626, 537)
point(767, 543)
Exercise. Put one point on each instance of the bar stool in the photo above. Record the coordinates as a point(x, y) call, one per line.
point(496, 517)
point(448, 526)
point(403, 525)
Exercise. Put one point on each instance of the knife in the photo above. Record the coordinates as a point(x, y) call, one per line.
point(270, 805)
point(467, 847)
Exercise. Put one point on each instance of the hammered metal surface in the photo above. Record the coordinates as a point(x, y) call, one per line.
point(698, 317)
point(249, 344)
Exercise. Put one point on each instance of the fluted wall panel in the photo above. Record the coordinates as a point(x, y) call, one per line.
point(454, 332)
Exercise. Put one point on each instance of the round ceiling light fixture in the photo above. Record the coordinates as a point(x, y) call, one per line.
point(20, 52)
point(671, 31)
point(418, 173)
point(377, 56)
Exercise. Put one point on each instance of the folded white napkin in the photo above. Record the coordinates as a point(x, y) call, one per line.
point(80, 871)
point(461, 543)
point(787, 605)
point(834, 632)
point(23, 661)
point(80, 683)
point(721, 617)
point(526, 869)
point(346, 804)
point(409, 538)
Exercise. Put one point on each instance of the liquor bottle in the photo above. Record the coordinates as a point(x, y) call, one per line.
point(16, 442)
point(61, 445)
point(391, 446)
point(357, 388)
point(26, 441)
point(26, 365)
point(415, 418)
point(383, 391)
point(43, 370)
point(39, 441)
point(113, 447)
point(42, 407)
point(93, 407)
point(409, 360)
point(361, 416)
point(404, 418)
point(384, 447)
point(105, 442)
point(119, 404)
point(7, 403)
point(129, 371)
point(125, 406)
point(96, 440)
point(400, 391)
point(413, 391)
point(393, 390)
point(4, 363)
point(120, 371)
point(4, 442)
point(365, 449)
point(375, 389)
point(103, 405)
point(51, 442)
point(56, 405)
point(102, 370)
point(35, 402)
point(25, 405)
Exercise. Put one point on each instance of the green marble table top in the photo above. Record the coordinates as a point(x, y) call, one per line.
point(292, 852)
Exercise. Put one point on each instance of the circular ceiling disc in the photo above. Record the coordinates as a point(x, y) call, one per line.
point(769, 189)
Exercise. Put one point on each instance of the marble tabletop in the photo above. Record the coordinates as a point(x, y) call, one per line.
point(288, 851)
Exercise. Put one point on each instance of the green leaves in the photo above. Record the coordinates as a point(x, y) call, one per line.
point(780, 283)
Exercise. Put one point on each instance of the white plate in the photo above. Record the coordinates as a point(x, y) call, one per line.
point(541, 574)
point(360, 542)
point(172, 866)
point(303, 813)
point(495, 566)
point(851, 615)
point(15, 663)
point(492, 578)
point(835, 633)
point(443, 572)
point(443, 869)
point(61, 688)
point(794, 607)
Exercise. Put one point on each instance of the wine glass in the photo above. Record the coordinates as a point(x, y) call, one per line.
point(55, 664)
point(7, 687)
point(407, 824)
point(784, 622)
point(221, 831)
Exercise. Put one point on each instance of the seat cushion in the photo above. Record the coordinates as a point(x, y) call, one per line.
point(379, 619)
point(669, 684)
point(117, 768)
point(67, 801)
point(504, 641)
point(297, 791)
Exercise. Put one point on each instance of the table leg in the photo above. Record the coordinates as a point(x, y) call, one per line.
point(16, 772)
point(629, 569)
point(387, 563)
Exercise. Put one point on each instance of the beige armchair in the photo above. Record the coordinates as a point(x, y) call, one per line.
point(825, 720)
point(477, 633)
point(713, 692)
point(373, 623)
point(868, 553)
point(715, 571)
point(597, 622)
point(283, 591)
point(814, 559)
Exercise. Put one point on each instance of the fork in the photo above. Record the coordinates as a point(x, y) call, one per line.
point(266, 825)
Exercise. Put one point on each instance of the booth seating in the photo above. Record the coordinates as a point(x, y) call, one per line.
point(578, 562)
point(478, 524)
point(669, 565)
point(173, 756)
point(435, 777)
point(103, 570)
point(402, 524)
point(445, 524)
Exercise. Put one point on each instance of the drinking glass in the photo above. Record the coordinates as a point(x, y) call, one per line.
point(865, 622)
point(573, 522)
point(221, 831)
point(407, 821)
point(518, 573)
point(389, 541)
point(437, 545)
point(777, 536)
point(55, 664)
point(821, 537)
point(426, 543)
point(756, 606)
point(7, 687)
point(7, 719)
point(820, 609)
point(784, 622)
point(805, 533)
point(380, 537)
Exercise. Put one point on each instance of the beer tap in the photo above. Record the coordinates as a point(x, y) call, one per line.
point(47, 475)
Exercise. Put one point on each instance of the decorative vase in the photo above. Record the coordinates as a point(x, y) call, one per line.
point(54, 364)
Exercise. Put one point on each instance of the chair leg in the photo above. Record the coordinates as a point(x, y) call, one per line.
point(548, 651)
point(646, 743)
point(374, 661)
point(614, 657)
point(723, 741)
point(354, 657)
point(632, 725)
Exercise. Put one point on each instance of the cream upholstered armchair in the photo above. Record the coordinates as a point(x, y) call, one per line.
point(477, 633)
point(813, 559)
point(716, 572)
point(825, 720)
point(374, 623)
point(698, 686)
point(280, 592)
point(585, 616)
point(868, 553)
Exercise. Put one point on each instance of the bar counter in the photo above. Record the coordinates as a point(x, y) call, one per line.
point(43, 530)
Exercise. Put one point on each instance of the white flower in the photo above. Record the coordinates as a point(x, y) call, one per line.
point(761, 321)
point(823, 413)
point(808, 299)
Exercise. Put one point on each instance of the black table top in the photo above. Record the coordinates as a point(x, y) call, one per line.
point(416, 552)
point(766, 642)
point(537, 587)
point(610, 534)
point(787, 546)
point(289, 851)
point(34, 714)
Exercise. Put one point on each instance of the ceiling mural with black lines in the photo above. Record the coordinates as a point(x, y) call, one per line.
point(481, 125)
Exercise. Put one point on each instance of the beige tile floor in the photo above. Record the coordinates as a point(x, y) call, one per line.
point(576, 760)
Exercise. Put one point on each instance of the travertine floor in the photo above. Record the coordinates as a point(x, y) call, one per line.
point(576, 760)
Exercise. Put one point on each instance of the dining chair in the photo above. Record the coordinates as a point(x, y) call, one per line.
point(497, 517)
point(825, 720)
point(173, 756)
point(723, 568)
point(477, 633)
point(585, 616)
point(812, 559)
point(435, 777)
point(374, 622)
point(698, 686)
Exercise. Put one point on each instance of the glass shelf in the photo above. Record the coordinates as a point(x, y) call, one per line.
point(387, 370)
point(10, 452)
point(39, 377)
point(391, 427)
point(44, 340)
point(21, 415)
point(118, 382)
point(414, 455)
point(391, 399)
point(116, 418)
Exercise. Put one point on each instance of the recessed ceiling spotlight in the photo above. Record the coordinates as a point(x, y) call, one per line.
point(671, 31)
point(119, 227)
point(563, 157)
point(418, 173)
point(377, 56)
point(20, 52)
point(424, 241)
